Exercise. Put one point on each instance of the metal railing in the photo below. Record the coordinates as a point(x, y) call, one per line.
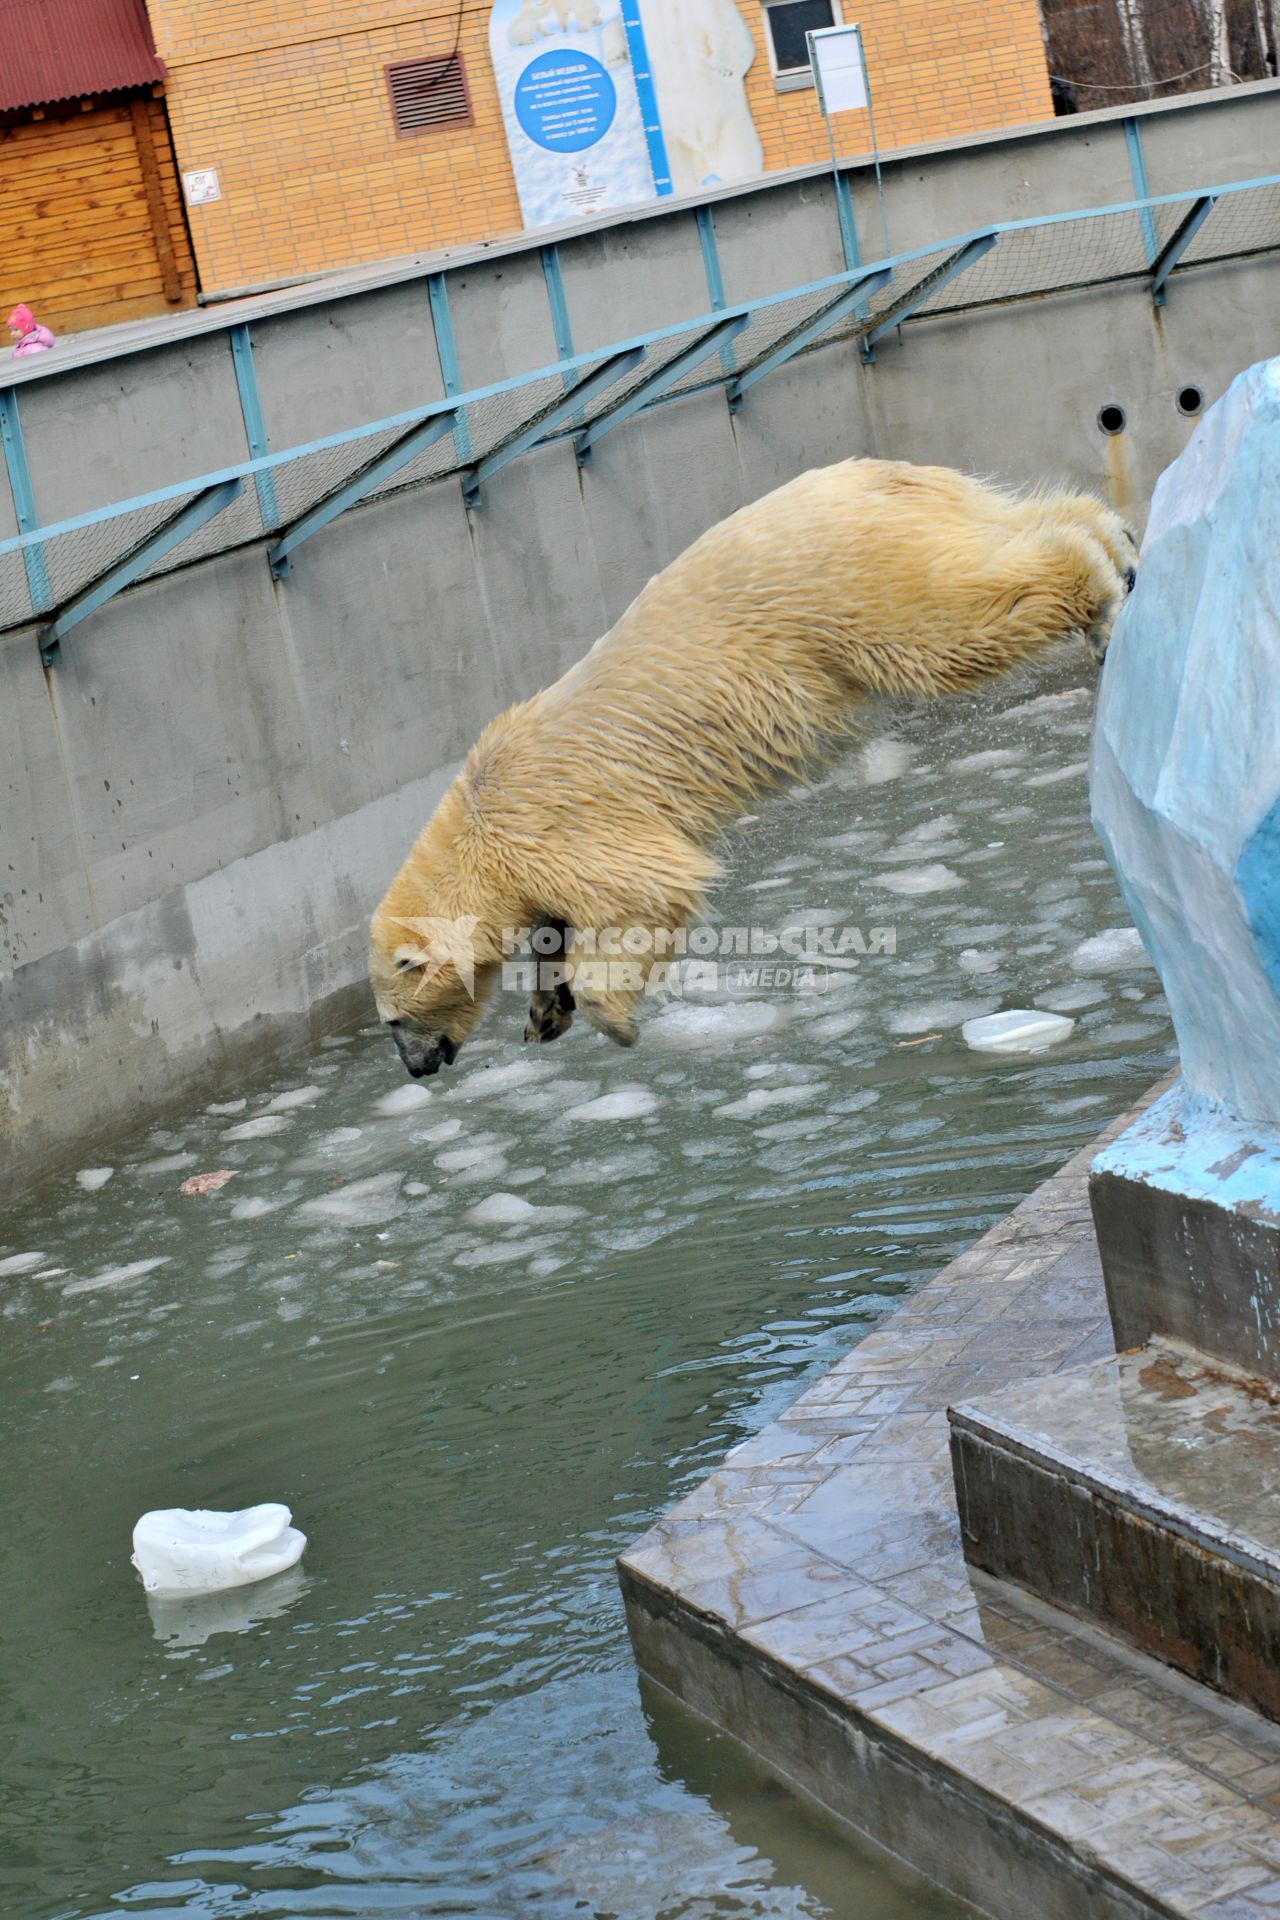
point(56, 575)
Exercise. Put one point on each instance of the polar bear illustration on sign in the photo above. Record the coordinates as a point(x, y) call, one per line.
point(699, 53)
point(537, 17)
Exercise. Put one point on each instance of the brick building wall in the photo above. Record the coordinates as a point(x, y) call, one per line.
point(287, 100)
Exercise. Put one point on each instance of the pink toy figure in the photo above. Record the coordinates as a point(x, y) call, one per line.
point(28, 335)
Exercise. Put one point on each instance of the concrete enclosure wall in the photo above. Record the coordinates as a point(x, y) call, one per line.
point(200, 803)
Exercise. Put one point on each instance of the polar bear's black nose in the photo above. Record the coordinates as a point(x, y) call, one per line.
point(1130, 579)
point(422, 1054)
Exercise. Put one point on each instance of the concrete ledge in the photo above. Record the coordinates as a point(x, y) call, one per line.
point(1183, 1203)
point(1144, 1493)
point(812, 1599)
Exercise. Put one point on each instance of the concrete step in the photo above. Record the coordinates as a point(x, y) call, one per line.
point(1142, 1493)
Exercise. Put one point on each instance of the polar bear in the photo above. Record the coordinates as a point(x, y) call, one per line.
point(699, 53)
point(539, 17)
point(529, 24)
point(597, 803)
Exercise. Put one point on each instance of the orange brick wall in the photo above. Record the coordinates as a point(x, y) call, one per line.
point(287, 100)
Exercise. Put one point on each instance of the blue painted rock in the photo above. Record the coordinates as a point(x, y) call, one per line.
point(1185, 774)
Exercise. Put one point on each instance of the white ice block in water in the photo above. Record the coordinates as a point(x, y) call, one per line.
point(191, 1550)
point(1019, 1030)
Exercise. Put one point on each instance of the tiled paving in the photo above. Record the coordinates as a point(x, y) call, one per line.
point(813, 1599)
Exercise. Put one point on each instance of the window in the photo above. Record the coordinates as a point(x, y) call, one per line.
point(786, 23)
point(429, 93)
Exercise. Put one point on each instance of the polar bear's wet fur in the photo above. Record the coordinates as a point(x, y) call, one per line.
point(598, 802)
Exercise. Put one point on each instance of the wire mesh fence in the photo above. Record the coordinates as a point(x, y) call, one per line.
point(43, 571)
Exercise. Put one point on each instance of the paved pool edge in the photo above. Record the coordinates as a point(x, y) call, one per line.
point(811, 1599)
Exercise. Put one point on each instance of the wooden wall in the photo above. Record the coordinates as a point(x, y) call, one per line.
point(91, 222)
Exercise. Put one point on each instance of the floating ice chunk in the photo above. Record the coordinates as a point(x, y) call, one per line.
point(883, 760)
point(16, 1263)
point(443, 1130)
point(116, 1276)
point(937, 1014)
point(761, 1097)
point(974, 960)
point(1113, 948)
point(171, 1163)
point(485, 1080)
point(221, 1107)
point(802, 1129)
point(634, 1165)
point(476, 1153)
point(181, 1550)
point(254, 1129)
point(834, 1026)
point(1049, 705)
point(1076, 771)
point(1018, 1030)
point(254, 1207)
point(93, 1178)
point(295, 1097)
point(857, 1102)
point(624, 1103)
point(404, 1099)
point(684, 1024)
point(992, 757)
point(918, 880)
point(1087, 993)
point(942, 826)
point(1124, 1033)
point(502, 1210)
point(362, 1203)
point(766, 886)
point(509, 1210)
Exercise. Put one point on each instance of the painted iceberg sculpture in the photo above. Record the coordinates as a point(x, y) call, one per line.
point(1185, 771)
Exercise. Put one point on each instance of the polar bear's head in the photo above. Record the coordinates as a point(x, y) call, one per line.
point(431, 976)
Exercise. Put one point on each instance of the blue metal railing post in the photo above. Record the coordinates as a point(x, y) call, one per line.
point(850, 299)
point(188, 520)
point(714, 275)
point(447, 353)
point(1138, 173)
point(357, 486)
point(554, 279)
point(24, 504)
point(717, 339)
point(1168, 257)
point(850, 248)
point(255, 431)
point(914, 298)
point(549, 420)
point(559, 307)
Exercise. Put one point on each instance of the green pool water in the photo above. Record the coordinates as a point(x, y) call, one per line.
point(478, 1342)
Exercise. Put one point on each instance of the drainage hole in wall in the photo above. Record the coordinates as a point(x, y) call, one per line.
point(1190, 399)
point(1112, 418)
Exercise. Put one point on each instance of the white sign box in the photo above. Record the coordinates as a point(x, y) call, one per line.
point(201, 187)
point(841, 77)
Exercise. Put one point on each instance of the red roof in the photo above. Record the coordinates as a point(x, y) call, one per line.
point(64, 49)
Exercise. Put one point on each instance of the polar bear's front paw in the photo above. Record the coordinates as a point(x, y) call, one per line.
point(550, 1014)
